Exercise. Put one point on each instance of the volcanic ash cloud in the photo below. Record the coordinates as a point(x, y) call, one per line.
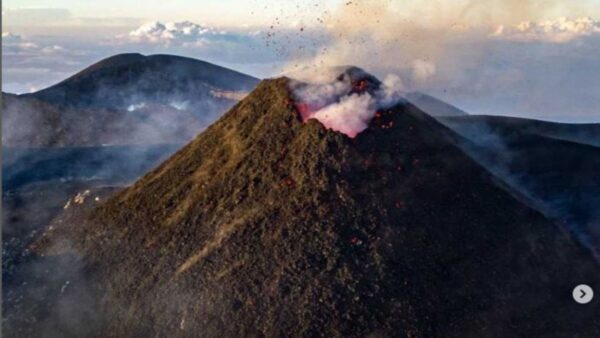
point(350, 115)
point(348, 102)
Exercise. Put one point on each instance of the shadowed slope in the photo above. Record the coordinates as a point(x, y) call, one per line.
point(484, 128)
point(555, 164)
point(114, 81)
point(125, 99)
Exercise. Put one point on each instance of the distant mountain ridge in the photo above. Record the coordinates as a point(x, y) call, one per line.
point(434, 106)
point(136, 99)
point(129, 75)
point(481, 126)
point(555, 164)
point(124, 99)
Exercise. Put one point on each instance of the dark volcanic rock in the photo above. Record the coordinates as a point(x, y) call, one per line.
point(266, 226)
point(555, 164)
point(486, 129)
point(124, 79)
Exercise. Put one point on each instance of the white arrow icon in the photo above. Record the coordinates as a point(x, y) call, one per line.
point(583, 294)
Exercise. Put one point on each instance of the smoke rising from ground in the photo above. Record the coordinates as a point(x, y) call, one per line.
point(350, 115)
point(346, 102)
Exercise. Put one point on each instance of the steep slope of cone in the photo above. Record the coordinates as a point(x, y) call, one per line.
point(268, 226)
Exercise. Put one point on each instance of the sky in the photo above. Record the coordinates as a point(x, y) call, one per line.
point(529, 58)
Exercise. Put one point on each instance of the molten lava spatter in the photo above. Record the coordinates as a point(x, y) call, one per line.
point(307, 110)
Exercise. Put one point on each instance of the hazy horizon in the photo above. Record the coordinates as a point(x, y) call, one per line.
point(533, 59)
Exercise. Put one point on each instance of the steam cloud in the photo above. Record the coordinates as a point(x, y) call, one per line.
point(337, 106)
point(350, 115)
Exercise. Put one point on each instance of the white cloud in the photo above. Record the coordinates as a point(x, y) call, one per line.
point(53, 49)
point(8, 37)
point(561, 30)
point(33, 62)
point(265, 49)
point(174, 32)
point(186, 37)
point(15, 44)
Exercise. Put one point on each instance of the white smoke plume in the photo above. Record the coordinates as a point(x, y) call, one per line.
point(455, 50)
point(180, 105)
point(136, 106)
point(350, 115)
point(338, 105)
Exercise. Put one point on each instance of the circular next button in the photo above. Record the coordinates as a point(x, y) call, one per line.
point(583, 294)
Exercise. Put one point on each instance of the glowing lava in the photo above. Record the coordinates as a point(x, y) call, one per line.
point(346, 104)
